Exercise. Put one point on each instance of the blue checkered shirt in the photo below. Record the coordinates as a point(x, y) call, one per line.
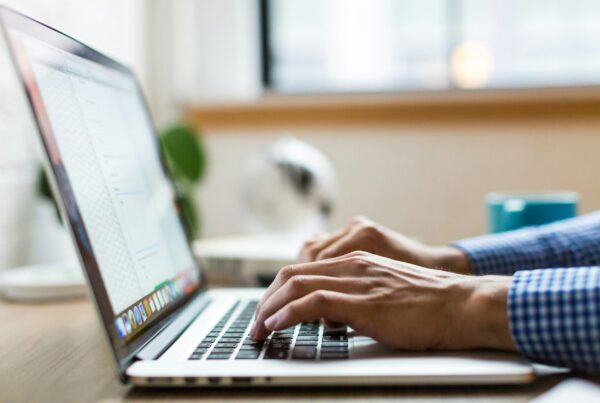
point(554, 300)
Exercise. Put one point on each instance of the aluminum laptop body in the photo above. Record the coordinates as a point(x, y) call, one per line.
point(163, 326)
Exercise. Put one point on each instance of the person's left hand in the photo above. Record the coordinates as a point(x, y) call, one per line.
point(398, 304)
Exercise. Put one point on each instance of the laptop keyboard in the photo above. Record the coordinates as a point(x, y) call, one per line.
point(306, 341)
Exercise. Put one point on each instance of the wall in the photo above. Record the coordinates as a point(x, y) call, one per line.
point(427, 179)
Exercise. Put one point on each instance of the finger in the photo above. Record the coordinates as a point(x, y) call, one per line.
point(313, 246)
point(296, 288)
point(330, 305)
point(344, 245)
point(336, 267)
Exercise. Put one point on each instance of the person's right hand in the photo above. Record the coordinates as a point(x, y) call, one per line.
point(398, 304)
point(362, 234)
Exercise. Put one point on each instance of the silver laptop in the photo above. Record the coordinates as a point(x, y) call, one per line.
point(164, 327)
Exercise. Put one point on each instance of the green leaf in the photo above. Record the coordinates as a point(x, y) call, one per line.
point(185, 154)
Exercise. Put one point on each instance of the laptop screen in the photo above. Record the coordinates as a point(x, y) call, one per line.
point(106, 162)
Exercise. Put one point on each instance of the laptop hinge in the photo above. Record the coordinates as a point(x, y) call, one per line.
point(163, 340)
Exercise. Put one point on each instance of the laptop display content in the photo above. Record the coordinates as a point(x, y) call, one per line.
point(105, 157)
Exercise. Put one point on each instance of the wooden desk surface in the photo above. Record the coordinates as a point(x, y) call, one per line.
point(55, 353)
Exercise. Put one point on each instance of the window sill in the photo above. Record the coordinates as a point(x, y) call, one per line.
point(380, 108)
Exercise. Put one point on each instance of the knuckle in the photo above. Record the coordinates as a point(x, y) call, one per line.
point(369, 231)
point(285, 273)
point(320, 297)
point(358, 254)
point(372, 271)
point(298, 283)
point(361, 261)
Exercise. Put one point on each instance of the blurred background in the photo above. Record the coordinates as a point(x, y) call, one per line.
point(422, 107)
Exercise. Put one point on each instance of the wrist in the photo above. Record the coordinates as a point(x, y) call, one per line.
point(483, 315)
point(451, 259)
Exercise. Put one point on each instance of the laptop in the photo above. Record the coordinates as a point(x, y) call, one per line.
point(163, 325)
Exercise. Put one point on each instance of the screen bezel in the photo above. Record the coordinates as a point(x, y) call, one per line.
point(13, 20)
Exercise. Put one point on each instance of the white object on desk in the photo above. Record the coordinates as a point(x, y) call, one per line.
point(240, 260)
point(571, 390)
point(42, 283)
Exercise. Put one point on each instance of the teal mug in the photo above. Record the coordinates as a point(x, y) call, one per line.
point(511, 211)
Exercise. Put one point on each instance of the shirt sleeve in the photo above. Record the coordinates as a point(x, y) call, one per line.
point(554, 316)
point(569, 243)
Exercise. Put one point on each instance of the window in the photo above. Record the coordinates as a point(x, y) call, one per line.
point(406, 45)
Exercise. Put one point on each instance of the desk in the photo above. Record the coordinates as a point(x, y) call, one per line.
point(55, 353)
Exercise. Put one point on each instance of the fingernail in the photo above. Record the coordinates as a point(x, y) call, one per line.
point(271, 322)
point(253, 328)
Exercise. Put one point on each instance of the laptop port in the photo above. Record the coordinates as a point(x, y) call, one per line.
point(214, 379)
point(241, 379)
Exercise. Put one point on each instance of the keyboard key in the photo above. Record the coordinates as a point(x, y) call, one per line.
point(276, 355)
point(195, 356)
point(222, 350)
point(335, 338)
point(251, 342)
point(308, 333)
point(251, 348)
point(307, 342)
point(279, 346)
point(282, 336)
point(304, 352)
point(283, 340)
point(200, 350)
point(247, 355)
point(334, 349)
point(230, 339)
point(315, 337)
point(209, 338)
point(226, 344)
point(333, 343)
point(205, 344)
point(218, 356)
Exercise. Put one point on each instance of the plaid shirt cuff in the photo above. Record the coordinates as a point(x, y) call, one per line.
point(569, 243)
point(554, 316)
point(505, 253)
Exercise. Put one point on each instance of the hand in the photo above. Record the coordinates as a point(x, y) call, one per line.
point(362, 234)
point(398, 304)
